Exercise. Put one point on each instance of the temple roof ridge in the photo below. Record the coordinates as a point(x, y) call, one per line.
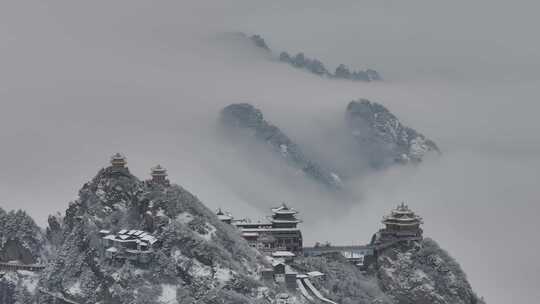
point(284, 209)
point(159, 170)
point(118, 160)
point(118, 155)
point(223, 215)
point(402, 214)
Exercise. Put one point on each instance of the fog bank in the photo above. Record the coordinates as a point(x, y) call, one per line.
point(81, 80)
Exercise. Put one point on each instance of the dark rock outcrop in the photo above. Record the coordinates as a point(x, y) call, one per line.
point(246, 117)
point(418, 272)
point(315, 66)
point(21, 242)
point(259, 42)
point(198, 256)
point(343, 283)
point(423, 273)
point(382, 139)
point(20, 238)
point(203, 260)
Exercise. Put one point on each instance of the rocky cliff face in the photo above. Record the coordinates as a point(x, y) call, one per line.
point(198, 258)
point(415, 273)
point(343, 283)
point(379, 138)
point(382, 138)
point(21, 239)
point(18, 287)
point(244, 116)
point(21, 242)
point(423, 273)
point(315, 66)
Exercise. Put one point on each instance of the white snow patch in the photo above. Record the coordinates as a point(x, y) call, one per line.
point(100, 193)
point(284, 150)
point(161, 212)
point(210, 232)
point(29, 280)
point(75, 289)
point(168, 294)
point(390, 272)
point(140, 272)
point(178, 256)
point(426, 287)
point(116, 276)
point(119, 206)
point(223, 275)
point(336, 177)
point(419, 274)
point(418, 147)
point(26, 273)
point(200, 270)
point(184, 218)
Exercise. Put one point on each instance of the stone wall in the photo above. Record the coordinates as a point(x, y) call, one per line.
point(13, 250)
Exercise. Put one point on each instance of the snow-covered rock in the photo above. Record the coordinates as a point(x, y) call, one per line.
point(343, 282)
point(245, 116)
point(382, 138)
point(198, 256)
point(315, 66)
point(200, 259)
point(18, 287)
point(21, 242)
point(423, 273)
point(21, 239)
point(404, 273)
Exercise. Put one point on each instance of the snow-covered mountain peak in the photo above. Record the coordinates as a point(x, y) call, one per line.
point(383, 138)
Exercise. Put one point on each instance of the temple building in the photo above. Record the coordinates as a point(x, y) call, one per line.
point(118, 161)
point(279, 232)
point(132, 245)
point(284, 217)
point(159, 175)
point(360, 255)
point(401, 224)
point(226, 218)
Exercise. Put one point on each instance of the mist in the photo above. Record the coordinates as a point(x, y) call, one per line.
point(82, 80)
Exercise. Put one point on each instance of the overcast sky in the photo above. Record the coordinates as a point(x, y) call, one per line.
point(81, 80)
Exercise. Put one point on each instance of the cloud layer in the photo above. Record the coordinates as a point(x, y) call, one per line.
point(81, 80)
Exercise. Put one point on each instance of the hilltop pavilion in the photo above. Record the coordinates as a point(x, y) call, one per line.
point(159, 175)
point(401, 224)
point(118, 161)
point(278, 232)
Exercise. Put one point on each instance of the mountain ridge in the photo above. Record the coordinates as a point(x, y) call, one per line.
point(315, 66)
point(244, 116)
point(382, 138)
point(200, 259)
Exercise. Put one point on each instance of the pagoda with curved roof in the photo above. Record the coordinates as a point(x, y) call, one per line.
point(159, 175)
point(284, 217)
point(224, 217)
point(401, 224)
point(278, 232)
point(118, 161)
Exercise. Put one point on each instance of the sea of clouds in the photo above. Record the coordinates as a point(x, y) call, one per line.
point(81, 80)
